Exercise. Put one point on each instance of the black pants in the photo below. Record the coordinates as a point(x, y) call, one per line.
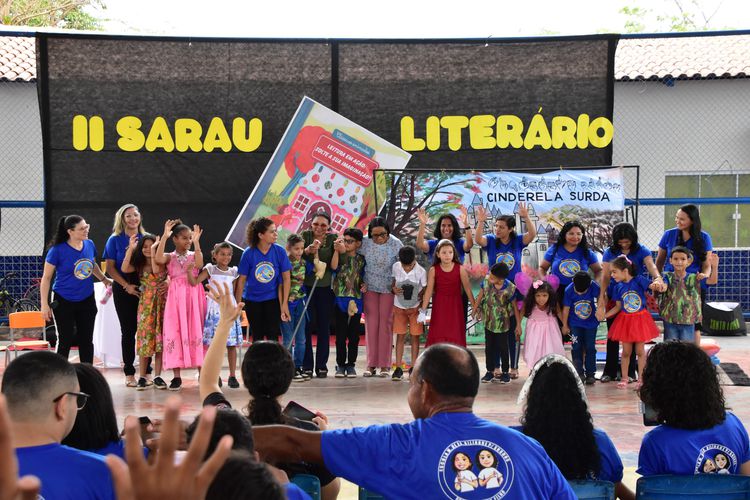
point(126, 306)
point(347, 330)
point(612, 364)
point(511, 345)
point(264, 319)
point(75, 320)
point(321, 307)
point(496, 345)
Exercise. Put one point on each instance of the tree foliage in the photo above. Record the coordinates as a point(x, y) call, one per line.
point(670, 16)
point(67, 14)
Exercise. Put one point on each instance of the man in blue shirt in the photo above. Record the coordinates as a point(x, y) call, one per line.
point(43, 398)
point(447, 452)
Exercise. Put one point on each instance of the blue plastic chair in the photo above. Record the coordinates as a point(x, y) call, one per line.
point(309, 484)
point(369, 495)
point(703, 486)
point(593, 490)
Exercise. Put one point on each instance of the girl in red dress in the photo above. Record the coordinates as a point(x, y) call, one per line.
point(445, 278)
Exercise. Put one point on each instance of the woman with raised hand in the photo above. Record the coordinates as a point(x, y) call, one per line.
point(447, 228)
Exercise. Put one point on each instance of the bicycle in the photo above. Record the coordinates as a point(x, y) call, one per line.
point(8, 304)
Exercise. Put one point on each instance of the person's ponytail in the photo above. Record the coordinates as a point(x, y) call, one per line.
point(65, 223)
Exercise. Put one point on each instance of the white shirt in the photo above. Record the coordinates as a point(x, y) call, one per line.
point(417, 277)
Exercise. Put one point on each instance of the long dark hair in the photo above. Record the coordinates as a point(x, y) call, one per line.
point(699, 246)
point(96, 424)
point(624, 231)
point(139, 260)
point(583, 245)
point(455, 235)
point(66, 223)
point(255, 228)
point(529, 301)
point(686, 399)
point(558, 417)
point(510, 221)
point(267, 372)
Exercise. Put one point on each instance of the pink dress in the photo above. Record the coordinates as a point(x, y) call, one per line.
point(447, 323)
point(542, 337)
point(184, 315)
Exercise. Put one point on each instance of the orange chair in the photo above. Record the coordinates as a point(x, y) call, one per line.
point(28, 325)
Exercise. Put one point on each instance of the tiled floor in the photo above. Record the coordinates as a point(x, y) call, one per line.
point(364, 401)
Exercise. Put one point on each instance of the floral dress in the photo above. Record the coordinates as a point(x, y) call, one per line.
point(148, 335)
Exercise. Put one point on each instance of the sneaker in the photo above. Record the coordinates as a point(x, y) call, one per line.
point(159, 383)
point(398, 374)
point(384, 372)
point(590, 380)
point(505, 378)
point(233, 383)
point(307, 374)
point(175, 384)
point(141, 386)
point(487, 377)
point(298, 375)
point(370, 372)
point(340, 372)
point(631, 380)
point(605, 379)
point(321, 373)
point(351, 372)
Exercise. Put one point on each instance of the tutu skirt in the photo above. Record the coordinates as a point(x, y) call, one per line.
point(633, 327)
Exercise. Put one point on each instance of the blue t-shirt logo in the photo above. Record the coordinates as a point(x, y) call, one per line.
point(507, 259)
point(582, 309)
point(83, 268)
point(631, 302)
point(715, 459)
point(569, 267)
point(474, 469)
point(264, 272)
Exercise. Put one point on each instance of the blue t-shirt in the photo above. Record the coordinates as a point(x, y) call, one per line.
point(116, 247)
point(565, 265)
point(582, 306)
point(294, 492)
point(66, 473)
point(632, 295)
point(509, 253)
point(669, 241)
point(428, 458)
point(722, 449)
point(459, 249)
point(636, 257)
point(263, 272)
point(609, 460)
point(73, 270)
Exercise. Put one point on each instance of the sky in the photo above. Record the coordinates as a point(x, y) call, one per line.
point(398, 18)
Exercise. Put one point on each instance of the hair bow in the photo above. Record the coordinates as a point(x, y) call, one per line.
point(537, 284)
point(626, 258)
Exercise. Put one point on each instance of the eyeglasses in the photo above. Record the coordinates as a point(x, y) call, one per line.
point(81, 398)
point(349, 241)
point(379, 235)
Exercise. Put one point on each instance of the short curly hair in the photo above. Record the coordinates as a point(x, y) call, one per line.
point(680, 383)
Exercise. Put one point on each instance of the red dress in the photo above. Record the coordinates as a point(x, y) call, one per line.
point(447, 323)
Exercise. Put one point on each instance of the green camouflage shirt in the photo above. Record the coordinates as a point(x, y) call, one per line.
point(348, 279)
point(496, 306)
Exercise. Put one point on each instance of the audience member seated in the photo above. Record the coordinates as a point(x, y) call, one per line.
point(95, 428)
point(556, 414)
point(697, 434)
point(43, 399)
point(267, 372)
point(447, 442)
point(230, 422)
point(244, 478)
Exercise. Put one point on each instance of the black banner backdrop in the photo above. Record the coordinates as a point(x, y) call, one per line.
point(184, 127)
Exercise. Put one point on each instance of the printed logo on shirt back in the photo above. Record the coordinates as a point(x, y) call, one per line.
point(264, 272)
point(569, 267)
point(475, 469)
point(716, 459)
point(506, 258)
point(83, 269)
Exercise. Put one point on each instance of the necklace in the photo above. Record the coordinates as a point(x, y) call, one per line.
point(181, 258)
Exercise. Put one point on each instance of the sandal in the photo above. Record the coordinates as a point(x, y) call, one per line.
point(622, 385)
point(131, 382)
point(514, 373)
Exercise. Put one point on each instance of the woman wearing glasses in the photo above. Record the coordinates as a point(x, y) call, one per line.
point(318, 243)
point(380, 250)
point(72, 260)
